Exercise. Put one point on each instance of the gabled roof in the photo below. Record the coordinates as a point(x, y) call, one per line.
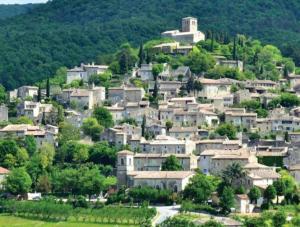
point(3, 171)
point(162, 174)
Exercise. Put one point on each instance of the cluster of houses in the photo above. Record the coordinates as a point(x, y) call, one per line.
point(193, 119)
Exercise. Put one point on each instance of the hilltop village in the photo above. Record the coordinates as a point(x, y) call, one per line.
point(204, 122)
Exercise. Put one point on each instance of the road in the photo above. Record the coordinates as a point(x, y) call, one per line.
point(164, 212)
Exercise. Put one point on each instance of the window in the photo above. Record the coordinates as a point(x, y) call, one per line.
point(122, 161)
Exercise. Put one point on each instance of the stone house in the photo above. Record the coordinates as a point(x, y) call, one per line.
point(259, 175)
point(183, 133)
point(24, 92)
point(41, 135)
point(84, 72)
point(215, 161)
point(217, 144)
point(168, 89)
point(279, 124)
point(241, 118)
point(295, 171)
point(82, 99)
point(3, 113)
point(153, 162)
point(243, 205)
point(125, 94)
point(36, 111)
point(183, 71)
point(164, 145)
point(214, 88)
point(233, 64)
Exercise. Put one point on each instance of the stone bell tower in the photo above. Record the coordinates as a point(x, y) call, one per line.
point(124, 166)
point(189, 24)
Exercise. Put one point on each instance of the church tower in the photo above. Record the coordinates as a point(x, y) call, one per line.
point(189, 24)
point(124, 165)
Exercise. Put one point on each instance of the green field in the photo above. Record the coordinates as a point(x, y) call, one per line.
point(11, 221)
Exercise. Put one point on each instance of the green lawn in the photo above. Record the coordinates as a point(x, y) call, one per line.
point(11, 221)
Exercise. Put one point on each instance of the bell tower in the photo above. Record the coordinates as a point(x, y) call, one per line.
point(124, 165)
point(189, 24)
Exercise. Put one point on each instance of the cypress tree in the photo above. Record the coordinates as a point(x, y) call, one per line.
point(123, 62)
point(155, 90)
point(234, 54)
point(212, 42)
point(39, 97)
point(143, 126)
point(141, 55)
point(48, 88)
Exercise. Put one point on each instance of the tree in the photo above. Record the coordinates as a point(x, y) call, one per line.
point(234, 50)
point(212, 223)
point(67, 132)
point(270, 194)
point(279, 219)
point(199, 189)
point(92, 128)
point(39, 97)
point(141, 55)
point(91, 182)
point(233, 173)
point(227, 200)
point(190, 84)
point(289, 182)
point(72, 151)
point(169, 125)
point(23, 120)
point(155, 90)
point(48, 88)
point(280, 188)
point(18, 181)
point(143, 126)
point(3, 95)
point(199, 61)
point(254, 194)
point(30, 144)
point(156, 70)
point(103, 117)
point(44, 184)
point(198, 86)
point(171, 164)
point(227, 129)
point(102, 153)
point(46, 155)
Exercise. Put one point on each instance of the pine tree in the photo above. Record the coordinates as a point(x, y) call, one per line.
point(141, 55)
point(48, 88)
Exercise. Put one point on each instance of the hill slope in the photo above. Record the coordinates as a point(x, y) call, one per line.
point(67, 32)
point(7, 11)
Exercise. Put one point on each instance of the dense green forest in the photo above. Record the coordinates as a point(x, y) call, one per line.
point(67, 32)
point(7, 11)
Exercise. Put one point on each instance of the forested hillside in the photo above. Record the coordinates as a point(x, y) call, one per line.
point(67, 32)
point(7, 11)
